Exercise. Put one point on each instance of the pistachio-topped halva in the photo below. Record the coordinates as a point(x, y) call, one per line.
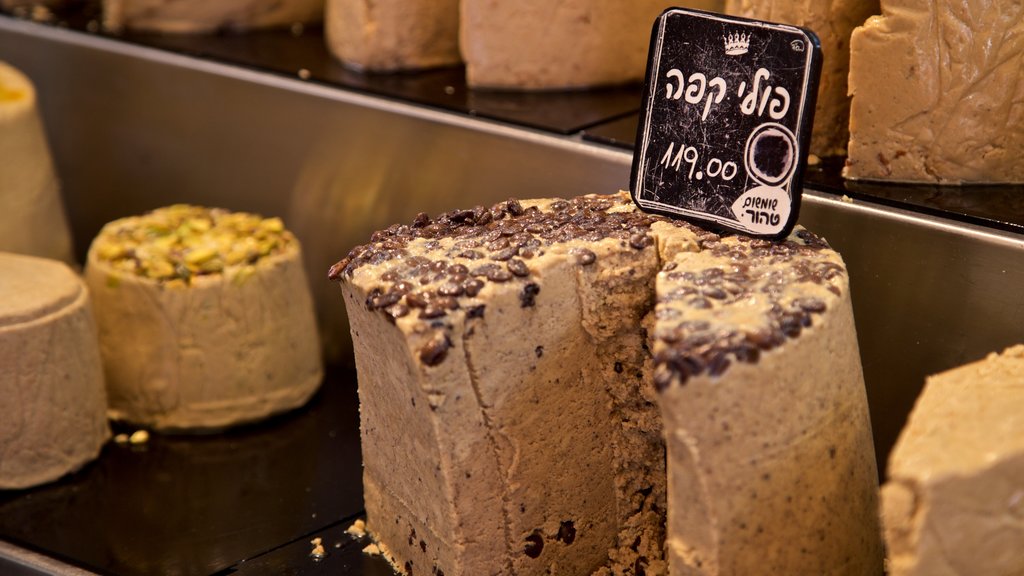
point(205, 318)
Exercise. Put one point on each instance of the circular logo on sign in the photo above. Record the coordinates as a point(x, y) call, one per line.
point(770, 154)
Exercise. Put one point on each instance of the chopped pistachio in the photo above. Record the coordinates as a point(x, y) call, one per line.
point(157, 269)
point(200, 224)
point(198, 256)
point(175, 243)
point(212, 265)
point(110, 251)
point(272, 225)
point(242, 274)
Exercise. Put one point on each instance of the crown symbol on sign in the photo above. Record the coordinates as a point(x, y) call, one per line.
point(736, 44)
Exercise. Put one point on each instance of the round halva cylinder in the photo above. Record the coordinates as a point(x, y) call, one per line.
point(832, 21)
point(524, 369)
point(200, 16)
point(226, 347)
point(389, 35)
point(51, 378)
point(539, 45)
point(32, 220)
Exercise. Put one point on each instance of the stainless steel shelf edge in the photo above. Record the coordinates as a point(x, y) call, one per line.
point(133, 128)
point(15, 561)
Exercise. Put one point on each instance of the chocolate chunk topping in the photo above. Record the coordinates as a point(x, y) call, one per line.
point(528, 296)
point(534, 545)
point(476, 311)
point(436, 349)
point(566, 532)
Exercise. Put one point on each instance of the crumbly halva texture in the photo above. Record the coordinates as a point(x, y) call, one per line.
point(833, 21)
point(389, 35)
point(200, 16)
point(32, 220)
point(937, 89)
point(205, 318)
point(954, 500)
point(535, 44)
point(51, 379)
point(509, 395)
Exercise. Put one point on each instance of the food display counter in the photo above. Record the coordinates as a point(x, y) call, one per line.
point(268, 122)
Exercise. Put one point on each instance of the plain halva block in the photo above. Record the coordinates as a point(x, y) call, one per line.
point(32, 220)
point(937, 90)
point(536, 44)
point(51, 378)
point(389, 35)
point(205, 16)
point(954, 500)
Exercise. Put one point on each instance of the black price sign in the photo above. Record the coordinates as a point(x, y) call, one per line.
point(727, 113)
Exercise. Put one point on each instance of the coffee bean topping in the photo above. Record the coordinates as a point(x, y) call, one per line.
point(503, 255)
point(473, 286)
point(498, 275)
point(760, 272)
point(457, 253)
point(640, 240)
point(397, 310)
point(583, 256)
point(451, 289)
point(432, 311)
point(518, 267)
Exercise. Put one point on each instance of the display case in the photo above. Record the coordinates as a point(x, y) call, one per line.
point(268, 122)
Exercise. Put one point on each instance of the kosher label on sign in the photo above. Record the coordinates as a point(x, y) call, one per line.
point(727, 113)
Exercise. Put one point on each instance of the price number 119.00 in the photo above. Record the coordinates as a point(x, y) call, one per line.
point(715, 168)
